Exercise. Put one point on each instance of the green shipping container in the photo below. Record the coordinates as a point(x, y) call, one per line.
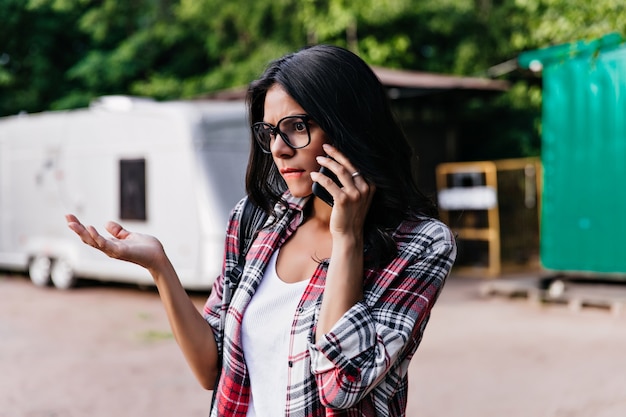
point(583, 217)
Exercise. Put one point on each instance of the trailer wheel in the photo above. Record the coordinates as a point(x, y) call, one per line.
point(62, 274)
point(39, 270)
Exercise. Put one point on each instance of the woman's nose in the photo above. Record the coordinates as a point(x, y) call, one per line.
point(280, 148)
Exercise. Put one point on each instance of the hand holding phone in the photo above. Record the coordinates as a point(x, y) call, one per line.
point(319, 189)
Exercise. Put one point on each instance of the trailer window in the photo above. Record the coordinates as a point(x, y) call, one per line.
point(133, 189)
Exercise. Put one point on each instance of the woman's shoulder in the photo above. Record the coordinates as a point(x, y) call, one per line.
point(425, 231)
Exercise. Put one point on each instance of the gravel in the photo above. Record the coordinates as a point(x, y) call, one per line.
point(104, 350)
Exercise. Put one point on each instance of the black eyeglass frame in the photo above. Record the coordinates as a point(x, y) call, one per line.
point(276, 130)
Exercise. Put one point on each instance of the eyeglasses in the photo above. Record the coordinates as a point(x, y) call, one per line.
point(294, 131)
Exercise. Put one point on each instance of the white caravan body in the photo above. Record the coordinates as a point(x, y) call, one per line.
point(173, 170)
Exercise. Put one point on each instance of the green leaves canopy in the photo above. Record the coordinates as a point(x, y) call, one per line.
point(58, 54)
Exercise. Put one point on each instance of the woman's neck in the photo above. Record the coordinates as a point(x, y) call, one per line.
point(320, 211)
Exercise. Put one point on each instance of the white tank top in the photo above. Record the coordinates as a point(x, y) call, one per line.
point(266, 329)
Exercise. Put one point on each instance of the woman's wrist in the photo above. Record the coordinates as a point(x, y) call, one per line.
point(348, 240)
point(161, 267)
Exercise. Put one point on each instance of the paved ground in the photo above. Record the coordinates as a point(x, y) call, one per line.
point(107, 351)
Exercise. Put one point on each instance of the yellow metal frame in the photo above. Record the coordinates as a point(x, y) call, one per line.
point(491, 233)
point(523, 163)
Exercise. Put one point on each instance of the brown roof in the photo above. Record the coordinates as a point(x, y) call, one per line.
point(401, 79)
point(431, 81)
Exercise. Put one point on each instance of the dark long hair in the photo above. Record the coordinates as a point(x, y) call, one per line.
point(341, 93)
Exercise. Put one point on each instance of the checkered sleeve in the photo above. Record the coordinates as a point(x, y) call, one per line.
point(370, 346)
point(214, 309)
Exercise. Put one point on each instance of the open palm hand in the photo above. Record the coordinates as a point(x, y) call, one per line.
point(137, 248)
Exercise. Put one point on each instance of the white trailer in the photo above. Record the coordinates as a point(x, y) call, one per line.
point(172, 169)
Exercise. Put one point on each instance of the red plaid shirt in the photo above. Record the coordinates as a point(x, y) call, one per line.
point(360, 367)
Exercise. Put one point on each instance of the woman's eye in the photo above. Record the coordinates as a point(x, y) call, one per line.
point(299, 127)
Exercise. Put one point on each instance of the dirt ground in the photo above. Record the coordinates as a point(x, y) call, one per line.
point(106, 350)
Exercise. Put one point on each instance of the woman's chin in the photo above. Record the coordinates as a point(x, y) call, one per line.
point(299, 192)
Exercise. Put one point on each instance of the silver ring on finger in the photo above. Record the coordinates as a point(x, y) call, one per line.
point(355, 174)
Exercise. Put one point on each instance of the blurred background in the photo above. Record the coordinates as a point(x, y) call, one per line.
point(461, 75)
point(452, 69)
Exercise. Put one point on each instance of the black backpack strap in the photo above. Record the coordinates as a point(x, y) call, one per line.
point(252, 219)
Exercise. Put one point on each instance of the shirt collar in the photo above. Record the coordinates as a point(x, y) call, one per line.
point(296, 203)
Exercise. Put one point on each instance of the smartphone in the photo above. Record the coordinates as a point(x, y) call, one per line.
point(319, 189)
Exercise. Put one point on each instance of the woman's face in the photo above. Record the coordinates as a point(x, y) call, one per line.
point(295, 165)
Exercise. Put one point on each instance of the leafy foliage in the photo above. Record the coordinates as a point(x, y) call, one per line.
point(57, 54)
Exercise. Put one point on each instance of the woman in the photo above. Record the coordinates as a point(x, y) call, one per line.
point(333, 300)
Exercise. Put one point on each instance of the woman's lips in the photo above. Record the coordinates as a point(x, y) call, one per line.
point(291, 172)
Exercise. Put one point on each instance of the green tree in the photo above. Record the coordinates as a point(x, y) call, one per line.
point(58, 54)
point(37, 47)
point(541, 23)
point(137, 47)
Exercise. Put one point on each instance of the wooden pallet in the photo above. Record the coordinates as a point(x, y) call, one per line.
point(576, 296)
